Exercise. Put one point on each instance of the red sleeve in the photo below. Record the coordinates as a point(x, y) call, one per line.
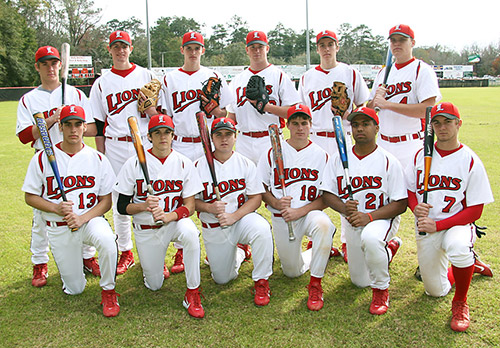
point(412, 200)
point(466, 216)
point(26, 135)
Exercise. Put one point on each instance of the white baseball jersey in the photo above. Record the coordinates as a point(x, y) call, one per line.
point(46, 102)
point(457, 179)
point(281, 92)
point(85, 175)
point(237, 179)
point(303, 170)
point(315, 89)
point(114, 99)
point(411, 83)
point(376, 179)
point(181, 98)
point(172, 179)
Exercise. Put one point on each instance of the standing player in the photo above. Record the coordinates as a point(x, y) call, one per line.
point(254, 138)
point(411, 87)
point(47, 99)
point(88, 180)
point(113, 97)
point(458, 190)
point(373, 213)
point(315, 89)
point(304, 163)
point(233, 219)
point(175, 182)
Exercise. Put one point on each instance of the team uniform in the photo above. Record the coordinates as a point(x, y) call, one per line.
point(237, 179)
point(410, 83)
point(315, 88)
point(303, 171)
point(47, 102)
point(376, 180)
point(86, 175)
point(253, 126)
point(173, 179)
point(458, 180)
point(113, 98)
point(180, 98)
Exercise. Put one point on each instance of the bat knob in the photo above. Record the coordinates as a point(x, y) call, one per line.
point(422, 233)
point(377, 109)
point(291, 238)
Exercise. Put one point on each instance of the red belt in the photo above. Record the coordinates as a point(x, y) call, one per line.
point(209, 225)
point(57, 223)
point(401, 138)
point(187, 139)
point(125, 138)
point(277, 215)
point(256, 134)
point(326, 134)
point(148, 227)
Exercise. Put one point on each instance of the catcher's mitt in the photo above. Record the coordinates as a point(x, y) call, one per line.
point(340, 99)
point(151, 90)
point(256, 90)
point(211, 91)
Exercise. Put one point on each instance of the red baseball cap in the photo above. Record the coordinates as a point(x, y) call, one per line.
point(402, 29)
point(223, 123)
point(257, 37)
point(446, 109)
point(192, 37)
point(119, 36)
point(72, 112)
point(327, 33)
point(160, 121)
point(363, 110)
point(298, 110)
point(45, 53)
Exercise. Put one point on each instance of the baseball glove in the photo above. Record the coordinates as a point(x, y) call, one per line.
point(340, 99)
point(211, 91)
point(256, 90)
point(151, 90)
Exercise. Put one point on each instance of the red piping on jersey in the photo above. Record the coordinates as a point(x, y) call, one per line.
point(353, 81)
point(361, 157)
point(123, 73)
point(258, 71)
point(444, 153)
point(188, 72)
point(319, 68)
point(162, 160)
point(402, 65)
point(40, 163)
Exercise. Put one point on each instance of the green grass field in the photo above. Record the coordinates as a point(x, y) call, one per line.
point(45, 317)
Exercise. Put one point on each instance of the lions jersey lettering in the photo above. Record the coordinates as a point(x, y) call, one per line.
point(293, 175)
point(226, 187)
point(118, 101)
point(241, 93)
point(438, 182)
point(160, 187)
point(397, 89)
point(183, 99)
point(358, 184)
point(318, 99)
point(70, 183)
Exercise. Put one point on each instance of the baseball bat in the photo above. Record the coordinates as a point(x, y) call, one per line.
point(341, 144)
point(388, 66)
point(274, 134)
point(428, 150)
point(135, 134)
point(64, 69)
point(49, 151)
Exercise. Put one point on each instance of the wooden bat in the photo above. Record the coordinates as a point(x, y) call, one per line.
point(64, 70)
point(388, 66)
point(274, 135)
point(428, 150)
point(49, 151)
point(141, 156)
point(341, 144)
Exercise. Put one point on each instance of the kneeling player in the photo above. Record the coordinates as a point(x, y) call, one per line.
point(233, 219)
point(379, 197)
point(304, 163)
point(163, 217)
point(88, 180)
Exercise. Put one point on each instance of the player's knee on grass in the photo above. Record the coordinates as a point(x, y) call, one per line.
point(154, 282)
point(74, 285)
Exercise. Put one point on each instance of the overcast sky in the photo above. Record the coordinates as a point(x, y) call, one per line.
point(450, 23)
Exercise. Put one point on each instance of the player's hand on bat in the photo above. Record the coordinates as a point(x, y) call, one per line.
point(152, 202)
point(351, 207)
point(218, 207)
point(358, 219)
point(422, 210)
point(226, 219)
point(379, 99)
point(54, 118)
point(284, 202)
point(74, 220)
point(426, 224)
point(291, 214)
point(64, 208)
point(160, 215)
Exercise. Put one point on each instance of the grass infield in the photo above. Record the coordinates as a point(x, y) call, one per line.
point(45, 317)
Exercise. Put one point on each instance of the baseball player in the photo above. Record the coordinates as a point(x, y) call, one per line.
point(411, 87)
point(304, 163)
point(233, 219)
point(182, 100)
point(113, 98)
point(253, 139)
point(315, 89)
point(47, 99)
point(373, 211)
point(88, 180)
point(175, 182)
point(458, 190)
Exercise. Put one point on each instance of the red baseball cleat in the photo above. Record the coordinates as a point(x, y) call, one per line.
point(262, 292)
point(126, 261)
point(247, 250)
point(192, 303)
point(166, 273)
point(344, 252)
point(380, 301)
point(178, 266)
point(460, 316)
point(482, 268)
point(394, 245)
point(91, 266)
point(40, 275)
point(315, 300)
point(110, 305)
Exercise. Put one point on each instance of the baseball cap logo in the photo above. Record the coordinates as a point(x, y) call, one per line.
point(256, 35)
point(72, 109)
point(439, 107)
point(298, 107)
point(193, 36)
point(398, 27)
point(49, 50)
point(118, 34)
point(161, 119)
